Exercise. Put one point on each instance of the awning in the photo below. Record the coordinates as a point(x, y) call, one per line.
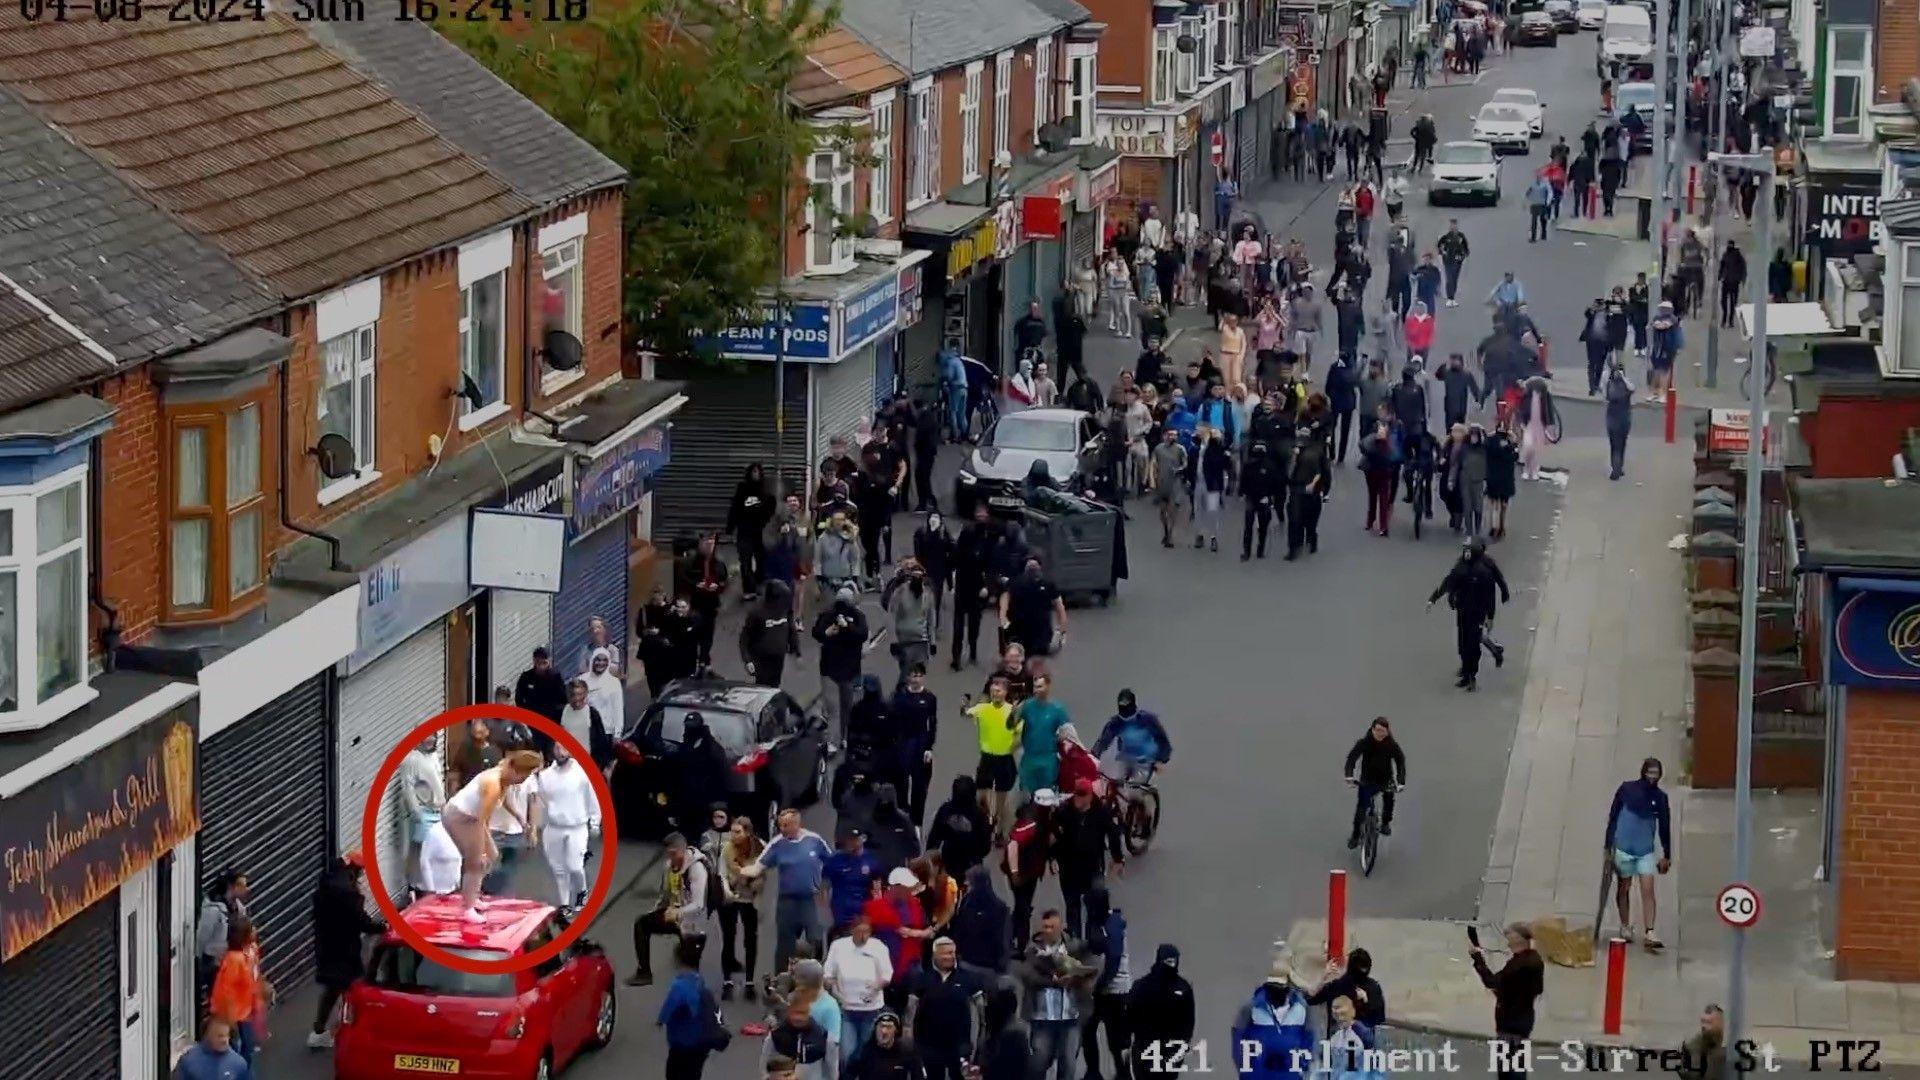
point(1789, 321)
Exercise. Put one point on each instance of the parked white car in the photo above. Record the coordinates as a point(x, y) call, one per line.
point(1502, 127)
point(1590, 13)
point(1529, 104)
point(1465, 170)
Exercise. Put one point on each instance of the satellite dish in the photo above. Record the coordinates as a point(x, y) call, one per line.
point(561, 351)
point(1187, 43)
point(471, 391)
point(336, 456)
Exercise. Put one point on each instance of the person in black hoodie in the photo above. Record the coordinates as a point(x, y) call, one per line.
point(979, 927)
point(1516, 986)
point(841, 631)
point(747, 516)
point(1459, 390)
point(542, 689)
point(1381, 769)
point(1309, 481)
point(703, 576)
point(870, 733)
point(972, 583)
point(1343, 395)
point(1260, 487)
point(663, 641)
point(960, 830)
point(885, 1056)
point(699, 768)
point(1107, 941)
point(1160, 1015)
point(1356, 983)
point(933, 549)
point(1619, 419)
point(891, 835)
point(1733, 278)
point(1006, 1053)
point(926, 450)
point(916, 726)
point(1409, 401)
point(340, 928)
point(769, 635)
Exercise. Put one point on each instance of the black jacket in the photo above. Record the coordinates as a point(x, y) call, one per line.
point(935, 550)
point(1470, 587)
point(972, 551)
point(750, 509)
point(1515, 988)
point(916, 723)
point(1310, 463)
point(1460, 387)
point(340, 927)
point(1083, 840)
point(840, 653)
point(1409, 401)
point(1160, 1006)
point(1381, 761)
point(1259, 480)
point(543, 692)
point(1372, 1012)
point(769, 629)
point(1453, 246)
point(980, 922)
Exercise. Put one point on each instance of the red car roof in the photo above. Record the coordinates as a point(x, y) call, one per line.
point(506, 923)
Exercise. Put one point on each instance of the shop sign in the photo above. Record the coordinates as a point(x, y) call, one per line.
point(1095, 188)
point(908, 311)
point(411, 588)
point(1844, 216)
point(1296, 29)
point(869, 314)
point(70, 840)
point(613, 483)
point(1137, 134)
point(809, 333)
point(968, 251)
point(1006, 229)
point(543, 491)
point(1727, 431)
point(1876, 634)
point(1040, 217)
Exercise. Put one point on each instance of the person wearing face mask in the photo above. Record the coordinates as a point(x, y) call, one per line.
point(608, 695)
point(841, 631)
point(933, 550)
point(911, 609)
point(916, 720)
point(1273, 1026)
point(1639, 816)
point(570, 808)
point(769, 635)
point(1160, 1015)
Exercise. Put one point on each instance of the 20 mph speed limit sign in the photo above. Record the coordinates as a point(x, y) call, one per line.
point(1738, 905)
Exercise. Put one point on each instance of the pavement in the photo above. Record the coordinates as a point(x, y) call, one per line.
point(1266, 672)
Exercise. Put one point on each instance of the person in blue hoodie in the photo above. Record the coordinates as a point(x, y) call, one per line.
point(953, 384)
point(213, 1057)
point(1182, 421)
point(1138, 738)
point(1107, 942)
point(688, 1015)
point(1639, 816)
point(1272, 1035)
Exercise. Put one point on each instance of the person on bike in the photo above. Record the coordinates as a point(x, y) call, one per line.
point(1138, 739)
point(1409, 401)
point(1506, 295)
point(1378, 767)
point(1469, 588)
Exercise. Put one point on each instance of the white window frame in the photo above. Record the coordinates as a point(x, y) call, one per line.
point(880, 144)
point(1042, 85)
point(839, 184)
point(365, 341)
point(1083, 90)
point(1862, 71)
point(1163, 80)
point(1186, 65)
point(1897, 362)
point(923, 137)
point(1002, 106)
point(25, 560)
point(970, 122)
point(566, 241)
point(1230, 32)
point(485, 259)
point(1209, 33)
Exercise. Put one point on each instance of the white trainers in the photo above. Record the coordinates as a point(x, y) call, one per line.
point(473, 915)
point(319, 1040)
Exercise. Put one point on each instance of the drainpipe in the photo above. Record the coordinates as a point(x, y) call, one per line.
point(96, 553)
point(286, 447)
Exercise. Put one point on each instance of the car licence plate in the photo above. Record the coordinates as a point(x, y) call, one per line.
point(425, 1064)
point(1004, 500)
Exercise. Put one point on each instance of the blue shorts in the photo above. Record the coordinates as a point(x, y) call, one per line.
point(1629, 866)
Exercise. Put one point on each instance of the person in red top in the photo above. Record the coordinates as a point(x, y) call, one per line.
point(1076, 763)
point(1556, 175)
point(899, 920)
point(1363, 211)
point(1419, 327)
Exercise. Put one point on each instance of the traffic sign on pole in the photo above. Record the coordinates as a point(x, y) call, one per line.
point(1738, 905)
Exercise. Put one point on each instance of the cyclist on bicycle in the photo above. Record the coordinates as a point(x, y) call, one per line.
point(1140, 743)
point(1377, 767)
point(1422, 459)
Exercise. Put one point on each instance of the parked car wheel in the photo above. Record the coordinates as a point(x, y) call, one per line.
point(604, 1020)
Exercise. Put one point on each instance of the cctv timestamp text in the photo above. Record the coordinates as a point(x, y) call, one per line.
point(329, 11)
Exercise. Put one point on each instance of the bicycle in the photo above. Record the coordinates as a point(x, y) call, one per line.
point(1370, 827)
point(1420, 486)
point(1138, 803)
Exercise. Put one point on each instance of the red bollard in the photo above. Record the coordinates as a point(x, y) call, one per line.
point(1673, 411)
point(1616, 985)
point(1693, 179)
point(1336, 915)
point(1593, 201)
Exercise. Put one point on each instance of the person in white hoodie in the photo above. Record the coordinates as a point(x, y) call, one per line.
point(608, 694)
point(572, 810)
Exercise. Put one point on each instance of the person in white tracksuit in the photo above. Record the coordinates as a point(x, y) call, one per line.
point(572, 809)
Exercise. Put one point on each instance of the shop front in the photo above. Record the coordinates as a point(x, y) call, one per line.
point(1838, 205)
point(817, 353)
point(1093, 190)
point(397, 677)
point(519, 621)
point(610, 482)
point(93, 810)
point(1039, 258)
point(1153, 145)
point(1269, 107)
point(1210, 159)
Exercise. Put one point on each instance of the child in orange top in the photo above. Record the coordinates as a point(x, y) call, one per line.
point(240, 993)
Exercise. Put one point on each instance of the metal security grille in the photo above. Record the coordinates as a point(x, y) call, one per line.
point(62, 1014)
point(263, 812)
point(593, 581)
point(378, 707)
point(842, 397)
point(517, 623)
point(726, 425)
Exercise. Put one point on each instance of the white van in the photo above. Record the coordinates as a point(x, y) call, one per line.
point(1626, 34)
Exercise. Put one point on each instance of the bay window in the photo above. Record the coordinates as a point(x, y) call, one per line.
point(215, 550)
point(43, 604)
point(1165, 48)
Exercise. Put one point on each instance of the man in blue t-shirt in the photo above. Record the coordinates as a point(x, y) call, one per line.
point(1639, 816)
point(850, 874)
point(213, 1057)
point(801, 858)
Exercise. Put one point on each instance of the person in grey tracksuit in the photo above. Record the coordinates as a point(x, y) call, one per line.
point(837, 558)
point(911, 609)
point(1470, 480)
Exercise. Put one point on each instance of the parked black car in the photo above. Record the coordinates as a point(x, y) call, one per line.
point(776, 754)
point(1536, 28)
point(1566, 18)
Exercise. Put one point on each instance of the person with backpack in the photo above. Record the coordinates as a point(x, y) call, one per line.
point(1025, 858)
point(690, 1017)
point(689, 892)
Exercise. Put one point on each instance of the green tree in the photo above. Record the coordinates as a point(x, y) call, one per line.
point(688, 95)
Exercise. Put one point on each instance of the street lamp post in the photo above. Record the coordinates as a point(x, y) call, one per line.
point(1749, 596)
point(1661, 75)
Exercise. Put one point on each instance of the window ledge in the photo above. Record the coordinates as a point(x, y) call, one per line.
point(480, 416)
point(560, 380)
point(48, 711)
point(340, 489)
point(832, 269)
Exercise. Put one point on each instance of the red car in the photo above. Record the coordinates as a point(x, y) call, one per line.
point(411, 1018)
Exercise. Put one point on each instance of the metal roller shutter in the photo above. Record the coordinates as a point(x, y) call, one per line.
point(1018, 278)
point(726, 425)
point(1247, 147)
point(921, 345)
point(842, 397)
point(1083, 238)
point(517, 623)
point(1049, 283)
point(593, 581)
point(378, 707)
point(261, 814)
point(62, 1022)
point(886, 370)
